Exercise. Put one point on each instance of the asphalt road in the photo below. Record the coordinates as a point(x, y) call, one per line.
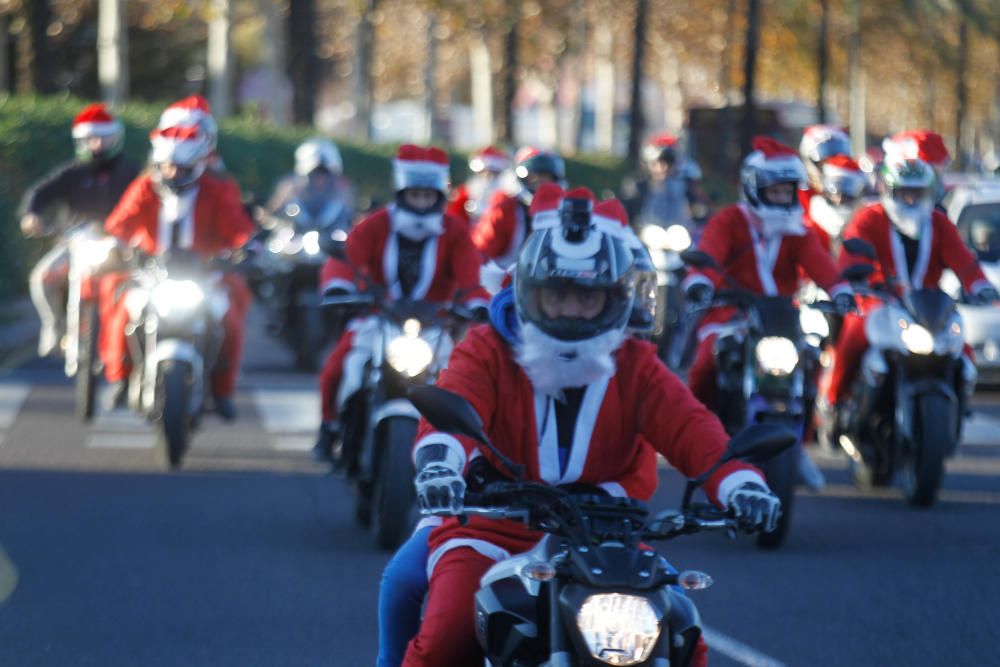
point(250, 555)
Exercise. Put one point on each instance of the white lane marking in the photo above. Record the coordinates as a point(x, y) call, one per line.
point(981, 429)
point(119, 440)
point(12, 396)
point(294, 443)
point(737, 650)
point(284, 411)
point(8, 575)
point(119, 419)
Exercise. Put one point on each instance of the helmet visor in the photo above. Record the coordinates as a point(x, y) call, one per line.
point(569, 311)
point(833, 145)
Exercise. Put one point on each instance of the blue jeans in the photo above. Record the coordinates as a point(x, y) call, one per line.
point(404, 585)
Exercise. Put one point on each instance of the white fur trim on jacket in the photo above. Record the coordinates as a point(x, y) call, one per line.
point(735, 480)
point(614, 489)
point(339, 283)
point(840, 288)
point(456, 457)
point(483, 547)
point(699, 278)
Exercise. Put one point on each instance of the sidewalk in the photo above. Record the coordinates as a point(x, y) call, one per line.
point(18, 327)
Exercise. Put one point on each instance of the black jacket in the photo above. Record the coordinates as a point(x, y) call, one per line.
point(85, 192)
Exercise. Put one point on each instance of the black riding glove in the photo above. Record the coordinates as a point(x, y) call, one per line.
point(844, 303)
point(699, 295)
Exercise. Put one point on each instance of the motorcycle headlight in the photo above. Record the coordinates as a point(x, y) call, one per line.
point(95, 251)
point(176, 296)
point(917, 339)
point(618, 629)
point(777, 355)
point(409, 354)
point(674, 238)
point(814, 322)
point(310, 243)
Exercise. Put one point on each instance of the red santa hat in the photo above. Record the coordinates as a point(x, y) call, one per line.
point(920, 145)
point(662, 140)
point(491, 159)
point(94, 120)
point(188, 111)
point(420, 167)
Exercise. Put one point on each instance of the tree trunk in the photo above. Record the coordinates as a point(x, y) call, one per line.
point(636, 121)
point(220, 75)
point(749, 128)
point(276, 109)
point(962, 89)
point(822, 59)
point(112, 51)
point(856, 82)
point(6, 74)
point(505, 117)
point(431, 126)
point(33, 49)
point(604, 90)
point(303, 67)
point(482, 90)
point(364, 81)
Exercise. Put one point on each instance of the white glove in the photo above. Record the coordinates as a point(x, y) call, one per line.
point(755, 506)
point(440, 487)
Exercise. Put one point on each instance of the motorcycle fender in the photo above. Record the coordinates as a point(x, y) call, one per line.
point(909, 392)
point(683, 628)
point(172, 349)
point(397, 407)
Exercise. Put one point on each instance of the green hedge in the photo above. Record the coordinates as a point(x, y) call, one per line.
point(34, 137)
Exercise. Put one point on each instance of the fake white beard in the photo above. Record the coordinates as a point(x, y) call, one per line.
point(553, 365)
point(831, 218)
point(908, 220)
point(417, 227)
point(780, 221)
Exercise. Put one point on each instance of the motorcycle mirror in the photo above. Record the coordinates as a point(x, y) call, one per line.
point(859, 247)
point(451, 413)
point(698, 259)
point(858, 272)
point(447, 411)
point(759, 442)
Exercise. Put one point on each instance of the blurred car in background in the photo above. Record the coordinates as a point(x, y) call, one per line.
point(974, 206)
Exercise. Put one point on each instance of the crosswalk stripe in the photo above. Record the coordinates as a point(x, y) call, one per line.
point(121, 440)
point(287, 412)
point(980, 429)
point(12, 397)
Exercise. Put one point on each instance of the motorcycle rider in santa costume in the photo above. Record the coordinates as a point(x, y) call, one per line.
point(194, 110)
point(564, 401)
point(471, 199)
point(914, 244)
point(926, 146)
point(86, 189)
point(404, 580)
point(841, 189)
point(177, 203)
point(762, 244)
point(413, 250)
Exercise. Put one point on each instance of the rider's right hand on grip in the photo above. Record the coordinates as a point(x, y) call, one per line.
point(699, 295)
point(440, 488)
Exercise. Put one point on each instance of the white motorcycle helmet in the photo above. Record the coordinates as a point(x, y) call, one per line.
point(843, 186)
point(907, 188)
point(771, 163)
point(820, 143)
point(316, 153)
point(179, 156)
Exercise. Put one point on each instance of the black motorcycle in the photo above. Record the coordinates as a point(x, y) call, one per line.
point(404, 344)
point(905, 409)
point(765, 370)
point(592, 592)
point(288, 280)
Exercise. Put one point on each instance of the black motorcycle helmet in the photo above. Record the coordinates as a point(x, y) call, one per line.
point(532, 161)
point(573, 253)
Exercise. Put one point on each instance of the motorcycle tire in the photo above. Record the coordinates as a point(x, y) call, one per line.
point(781, 474)
point(933, 433)
point(87, 366)
point(174, 392)
point(393, 498)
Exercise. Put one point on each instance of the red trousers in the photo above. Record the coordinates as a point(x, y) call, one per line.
point(701, 376)
point(331, 375)
point(447, 635)
point(113, 346)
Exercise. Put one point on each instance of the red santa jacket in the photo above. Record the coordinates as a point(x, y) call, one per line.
point(608, 447)
point(456, 205)
point(939, 247)
point(450, 262)
point(219, 220)
point(762, 266)
point(502, 229)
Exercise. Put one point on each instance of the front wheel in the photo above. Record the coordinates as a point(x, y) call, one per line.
point(393, 494)
point(86, 366)
point(781, 474)
point(933, 436)
point(174, 394)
